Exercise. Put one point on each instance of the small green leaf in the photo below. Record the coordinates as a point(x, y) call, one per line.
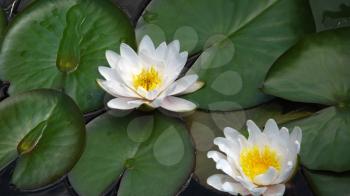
point(29, 141)
point(44, 130)
point(149, 153)
point(59, 44)
point(328, 183)
point(237, 42)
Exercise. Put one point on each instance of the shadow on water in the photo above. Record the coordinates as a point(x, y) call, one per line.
point(344, 12)
point(338, 18)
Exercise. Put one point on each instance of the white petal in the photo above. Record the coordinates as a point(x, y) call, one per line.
point(124, 103)
point(142, 92)
point(196, 86)
point(161, 51)
point(146, 44)
point(296, 137)
point(215, 155)
point(284, 135)
point(182, 84)
point(149, 60)
point(127, 70)
point(175, 45)
point(252, 188)
point(276, 190)
point(287, 171)
point(129, 54)
point(231, 134)
point(234, 188)
point(230, 148)
point(116, 89)
point(109, 73)
point(175, 62)
point(225, 166)
point(176, 104)
point(225, 183)
point(254, 132)
point(112, 58)
point(257, 191)
point(266, 178)
point(271, 128)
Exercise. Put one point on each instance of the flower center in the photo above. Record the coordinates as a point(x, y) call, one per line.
point(149, 79)
point(255, 161)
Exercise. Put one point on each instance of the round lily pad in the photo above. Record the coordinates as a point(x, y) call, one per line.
point(60, 44)
point(149, 153)
point(317, 70)
point(44, 130)
point(237, 41)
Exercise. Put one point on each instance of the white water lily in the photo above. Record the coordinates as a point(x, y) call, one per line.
point(259, 165)
point(148, 77)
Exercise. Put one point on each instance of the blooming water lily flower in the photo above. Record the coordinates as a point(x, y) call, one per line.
point(259, 165)
point(148, 77)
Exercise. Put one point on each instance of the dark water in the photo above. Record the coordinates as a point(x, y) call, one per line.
point(336, 16)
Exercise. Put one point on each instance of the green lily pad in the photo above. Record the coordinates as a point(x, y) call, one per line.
point(150, 154)
point(327, 183)
point(326, 137)
point(317, 71)
point(60, 44)
point(44, 130)
point(205, 127)
point(238, 41)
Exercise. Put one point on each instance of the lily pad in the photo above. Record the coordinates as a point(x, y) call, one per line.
point(327, 183)
point(60, 44)
point(150, 154)
point(326, 137)
point(206, 126)
point(237, 41)
point(317, 71)
point(44, 130)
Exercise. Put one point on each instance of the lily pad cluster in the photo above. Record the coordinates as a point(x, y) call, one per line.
point(317, 70)
point(246, 52)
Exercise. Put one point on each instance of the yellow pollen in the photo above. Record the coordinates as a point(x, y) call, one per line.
point(149, 79)
point(255, 161)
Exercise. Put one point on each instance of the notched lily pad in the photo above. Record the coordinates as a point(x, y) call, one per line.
point(44, 130)
point(237, 40)
point(60, 44)
point(150, 154)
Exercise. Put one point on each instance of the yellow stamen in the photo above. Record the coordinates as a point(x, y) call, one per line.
point(255, 161)
point(149, 79)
